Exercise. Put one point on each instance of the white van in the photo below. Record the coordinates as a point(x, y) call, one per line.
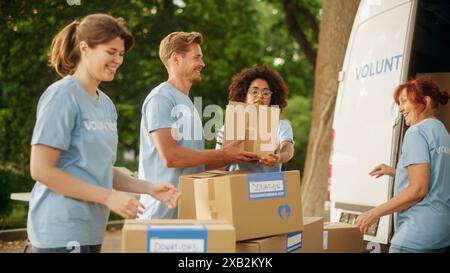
point(391, 41)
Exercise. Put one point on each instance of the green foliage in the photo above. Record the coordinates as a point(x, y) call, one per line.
point(237, 34)
point(12, 181)
point(296, 70)
point(298, 112)
point(17, 216)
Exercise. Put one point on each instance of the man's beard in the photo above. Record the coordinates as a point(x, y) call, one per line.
point(196, 78)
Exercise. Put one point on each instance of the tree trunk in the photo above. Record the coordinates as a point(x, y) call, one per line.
point(335, 28)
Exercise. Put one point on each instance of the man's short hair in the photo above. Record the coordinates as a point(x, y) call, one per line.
point(177, 42)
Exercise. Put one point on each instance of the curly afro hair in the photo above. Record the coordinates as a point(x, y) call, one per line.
point(241, 82)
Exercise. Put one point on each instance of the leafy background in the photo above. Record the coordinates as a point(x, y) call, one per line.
point(237, 34)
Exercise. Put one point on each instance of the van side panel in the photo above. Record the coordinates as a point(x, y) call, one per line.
point(375, 63)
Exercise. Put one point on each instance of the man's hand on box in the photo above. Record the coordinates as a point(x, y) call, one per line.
point(271, 160)
point(165, 193)
point(232, 153)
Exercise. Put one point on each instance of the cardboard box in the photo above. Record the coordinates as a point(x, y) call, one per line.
point(257, 204)
point(256, 124)
point(312, 235)
point(186, 203)
point(214, 236)
point(284, 243)
point(310, 240)
point(342, 238)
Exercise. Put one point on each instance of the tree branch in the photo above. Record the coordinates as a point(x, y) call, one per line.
point(292, 10)
point(168, 6)
point(311, 18)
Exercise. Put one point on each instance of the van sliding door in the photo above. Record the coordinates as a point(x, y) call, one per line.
point(376, 61)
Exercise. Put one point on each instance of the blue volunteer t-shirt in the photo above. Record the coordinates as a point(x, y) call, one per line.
point(284, 133)
point(166, 107)
point(85, 131)
point(425, 225)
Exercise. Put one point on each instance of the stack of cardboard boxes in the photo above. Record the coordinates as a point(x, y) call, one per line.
point(258, 205)
point(222, 211)
point(218, 209)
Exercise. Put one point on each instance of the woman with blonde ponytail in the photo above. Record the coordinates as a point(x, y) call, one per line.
point(74, 143)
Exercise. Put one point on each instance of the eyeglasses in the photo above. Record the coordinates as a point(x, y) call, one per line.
point(266, 93)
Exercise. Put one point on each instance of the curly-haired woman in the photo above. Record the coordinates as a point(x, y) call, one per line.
point(261, 85)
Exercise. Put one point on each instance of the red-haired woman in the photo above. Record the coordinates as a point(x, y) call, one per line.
point(421, 201)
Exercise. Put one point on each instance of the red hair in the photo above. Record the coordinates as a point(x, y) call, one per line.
point(417, 89)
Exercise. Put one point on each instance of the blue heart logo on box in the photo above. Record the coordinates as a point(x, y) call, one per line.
point(284, 211)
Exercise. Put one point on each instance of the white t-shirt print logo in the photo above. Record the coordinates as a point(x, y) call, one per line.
point(443, 150)
point(99, 125)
